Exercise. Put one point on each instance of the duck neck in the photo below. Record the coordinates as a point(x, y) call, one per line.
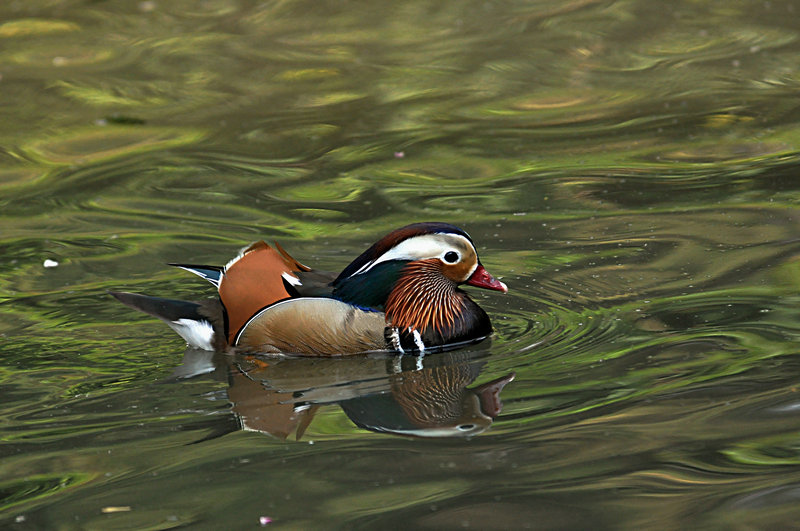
point(424, 300)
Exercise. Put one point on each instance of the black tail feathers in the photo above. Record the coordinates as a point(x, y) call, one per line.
point(164, 309)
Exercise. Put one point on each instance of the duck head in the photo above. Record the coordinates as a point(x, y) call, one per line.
point(413, 274)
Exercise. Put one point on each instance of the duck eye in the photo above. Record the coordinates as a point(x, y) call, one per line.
point(451, 257)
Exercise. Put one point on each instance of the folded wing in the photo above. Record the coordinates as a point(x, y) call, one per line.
point(324, 327)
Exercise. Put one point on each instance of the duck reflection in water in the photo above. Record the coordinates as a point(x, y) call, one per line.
point(402, 395)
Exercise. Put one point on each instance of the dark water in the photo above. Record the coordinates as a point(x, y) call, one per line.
point(628, 168)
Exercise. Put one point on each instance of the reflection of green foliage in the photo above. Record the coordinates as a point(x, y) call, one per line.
point(37, 487)
point(100, 143)
point(322, 192)
point(106, 96)
point(781, 450)
point(392, 497)
point(35, 26)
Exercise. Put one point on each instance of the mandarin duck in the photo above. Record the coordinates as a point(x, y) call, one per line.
point(402, 294)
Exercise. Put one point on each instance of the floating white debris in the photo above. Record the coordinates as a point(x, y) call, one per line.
point(50, 263)
point(115, 509)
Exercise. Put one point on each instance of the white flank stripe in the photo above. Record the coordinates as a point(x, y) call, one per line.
point(418, 341)
point(395, 339)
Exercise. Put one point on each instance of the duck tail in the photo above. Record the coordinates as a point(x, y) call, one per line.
point(189, 319)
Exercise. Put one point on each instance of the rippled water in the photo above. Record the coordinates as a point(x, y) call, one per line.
point(628, 168)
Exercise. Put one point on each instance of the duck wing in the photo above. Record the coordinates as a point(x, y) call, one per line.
point(313, 326)
point(314, 283)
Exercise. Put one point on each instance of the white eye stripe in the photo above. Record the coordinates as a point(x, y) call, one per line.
point(420, 248)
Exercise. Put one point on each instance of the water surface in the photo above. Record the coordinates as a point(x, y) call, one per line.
point(628, 168)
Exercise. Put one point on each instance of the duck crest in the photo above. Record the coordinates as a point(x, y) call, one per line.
point(391, 240)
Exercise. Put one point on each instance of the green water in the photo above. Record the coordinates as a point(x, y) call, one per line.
point(628, 168)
